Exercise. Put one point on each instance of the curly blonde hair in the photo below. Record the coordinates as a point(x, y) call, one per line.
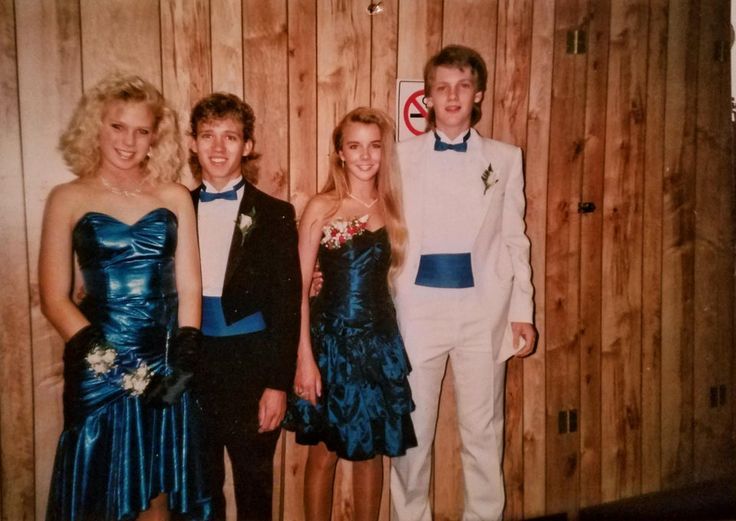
point(388, 182)
point(79, 144)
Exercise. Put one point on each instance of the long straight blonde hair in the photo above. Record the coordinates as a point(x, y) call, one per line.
point(388, 182)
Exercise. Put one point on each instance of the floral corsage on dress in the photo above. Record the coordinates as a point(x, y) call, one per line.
point(341, 231)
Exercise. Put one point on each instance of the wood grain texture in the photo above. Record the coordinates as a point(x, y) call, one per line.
point(591, 227)
point(384, 42)
point(509, 110)
point(563, 258)
point(265, 46)
point(714, 253)
point(302, 102)
point(678, 229)
point(16, 392)
point(226, 22)
point(120, 36)
point(49, 47)
point(622, 251)
point(536, 162)
point(652, 262)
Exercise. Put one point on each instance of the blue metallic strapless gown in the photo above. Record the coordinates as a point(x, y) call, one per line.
point(366, 401)
point(115, 454)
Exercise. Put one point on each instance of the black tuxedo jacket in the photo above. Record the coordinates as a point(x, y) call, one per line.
point(263, 274)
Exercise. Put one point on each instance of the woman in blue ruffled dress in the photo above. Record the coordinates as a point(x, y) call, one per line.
point(128, 449)
point(351, 395)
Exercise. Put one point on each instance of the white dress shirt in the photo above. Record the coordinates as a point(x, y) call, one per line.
point(216, 224)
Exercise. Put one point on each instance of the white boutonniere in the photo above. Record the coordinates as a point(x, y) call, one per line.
point(489, 178)
point(245, 224)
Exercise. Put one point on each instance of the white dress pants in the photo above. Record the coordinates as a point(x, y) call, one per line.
point(434, 331)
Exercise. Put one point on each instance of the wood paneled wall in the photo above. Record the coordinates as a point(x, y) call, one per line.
point(634, 301)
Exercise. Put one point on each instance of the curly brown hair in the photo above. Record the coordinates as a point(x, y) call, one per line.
point(223, 105)
point(79, 143)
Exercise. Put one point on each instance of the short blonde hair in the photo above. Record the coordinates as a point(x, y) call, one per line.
point(80, 146)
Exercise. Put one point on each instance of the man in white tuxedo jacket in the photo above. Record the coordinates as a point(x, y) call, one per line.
point(465, 292)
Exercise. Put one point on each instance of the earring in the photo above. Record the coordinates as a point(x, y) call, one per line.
point(342, 162)
point(148, 154)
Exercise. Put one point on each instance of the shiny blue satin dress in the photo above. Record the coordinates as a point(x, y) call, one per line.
point(366, 401)
point(115, 454)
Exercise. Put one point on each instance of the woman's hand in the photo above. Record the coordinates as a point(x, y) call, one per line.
point(308, 381)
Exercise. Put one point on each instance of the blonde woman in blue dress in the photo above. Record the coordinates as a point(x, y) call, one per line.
point(351, 394)
point(129, 448)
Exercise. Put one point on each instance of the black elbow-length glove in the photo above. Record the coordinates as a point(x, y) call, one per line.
point(183, 358)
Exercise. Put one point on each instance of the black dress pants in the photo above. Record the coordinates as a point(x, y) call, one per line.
point(228, 385)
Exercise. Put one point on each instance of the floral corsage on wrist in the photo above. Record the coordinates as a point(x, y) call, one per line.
point(489, 178)
point(245, 224)
point(341, 231)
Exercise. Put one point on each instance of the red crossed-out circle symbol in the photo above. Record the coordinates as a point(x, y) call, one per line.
point(415, 113)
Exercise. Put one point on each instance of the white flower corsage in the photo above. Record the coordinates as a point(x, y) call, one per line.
point(340, 231)
point(137, 381)
point(245, 223)
point(489, 178)
point(101, 359)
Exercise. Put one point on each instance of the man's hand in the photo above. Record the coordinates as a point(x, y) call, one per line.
point(317, 279)
point(524, 333)
point(271, 409)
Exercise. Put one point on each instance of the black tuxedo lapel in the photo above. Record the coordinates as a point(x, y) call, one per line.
point(237, 244)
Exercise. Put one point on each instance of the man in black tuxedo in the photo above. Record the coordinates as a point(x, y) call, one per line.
point(251, 295)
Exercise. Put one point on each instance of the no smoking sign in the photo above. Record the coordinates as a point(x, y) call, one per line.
point(411, 109)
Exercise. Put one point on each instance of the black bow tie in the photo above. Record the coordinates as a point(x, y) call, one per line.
point(441, 146)
point(228, 195)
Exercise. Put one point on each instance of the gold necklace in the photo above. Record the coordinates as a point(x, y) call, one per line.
point(119, 191)
point(367, 205)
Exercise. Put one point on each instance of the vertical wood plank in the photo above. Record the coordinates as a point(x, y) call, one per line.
point(119, 35)
point(48, 44)
point(185, 58)
point(597, 29)
point(536, 159)
point(510, 105)
point(302, 60)
point(714, 254)
point(266, 89)
point(622, 250)
point(302, 102)
point(482, 35)
point(420, 36)
point(652, 261)
point(563, 259)
point(16, 393)
point(226, 21)
point(678, 228)
point(384, 42)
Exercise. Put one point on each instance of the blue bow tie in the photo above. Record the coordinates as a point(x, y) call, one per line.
point(441, 146)
point(228, 195)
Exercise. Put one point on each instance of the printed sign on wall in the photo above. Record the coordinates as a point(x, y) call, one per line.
point(411, 109)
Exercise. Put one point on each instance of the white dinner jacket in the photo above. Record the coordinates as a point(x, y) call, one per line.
point(500, 253)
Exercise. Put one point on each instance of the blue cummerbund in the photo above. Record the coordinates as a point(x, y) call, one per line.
point(445, 270)
point(213, 320)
